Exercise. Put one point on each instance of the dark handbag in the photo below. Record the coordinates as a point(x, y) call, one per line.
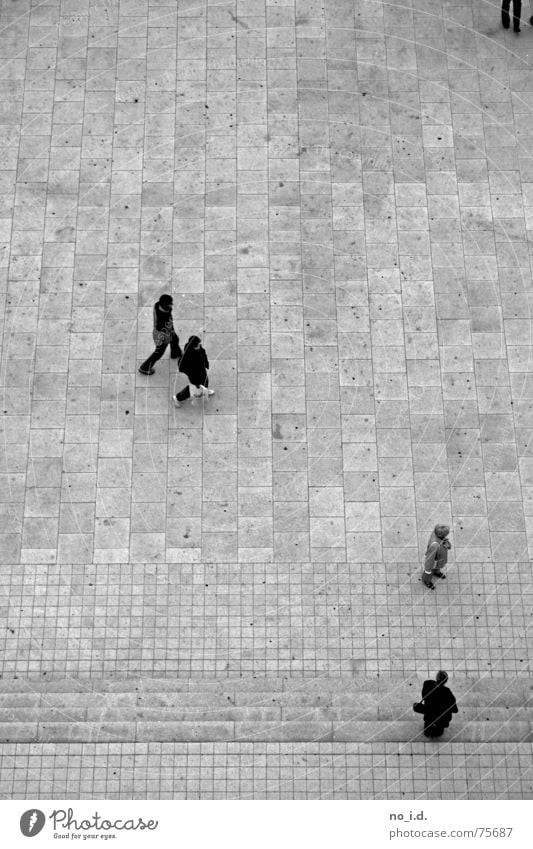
point(418, 707)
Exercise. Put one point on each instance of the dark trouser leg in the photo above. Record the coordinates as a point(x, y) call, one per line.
point(427, 576)
point(175, 350)
point(153, 358)
point(517, 10)
point(505, 13)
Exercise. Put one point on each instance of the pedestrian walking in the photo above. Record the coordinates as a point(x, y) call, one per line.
point(195, 365)
point(437, 705)
point(163, 334)
point(517, 9)
point(436, 555)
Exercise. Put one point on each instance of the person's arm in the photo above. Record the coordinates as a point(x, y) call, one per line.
point(431, 555)
point(206, 361)
point(427, 687)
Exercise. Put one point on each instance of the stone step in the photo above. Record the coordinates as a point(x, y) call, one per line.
point(257, 732)
point(277, 710)
point(358, 694)
point(103, 712)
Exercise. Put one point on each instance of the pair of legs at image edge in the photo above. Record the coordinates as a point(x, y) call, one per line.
point(185, 393)
point(506, 18)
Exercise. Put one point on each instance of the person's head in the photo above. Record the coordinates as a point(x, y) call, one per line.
point(441, 531)
point(165, 302)
point(441, 677)
point(194, 343)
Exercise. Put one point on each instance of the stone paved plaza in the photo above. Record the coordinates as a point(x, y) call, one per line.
point(338, 194)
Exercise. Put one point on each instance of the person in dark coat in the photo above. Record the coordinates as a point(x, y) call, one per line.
point(517, 9)
point(436, 555)
point(438, 705)
point(163, 334)
point(194, 364)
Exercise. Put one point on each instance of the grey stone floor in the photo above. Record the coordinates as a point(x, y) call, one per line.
point(338, 195)
point(267, 771)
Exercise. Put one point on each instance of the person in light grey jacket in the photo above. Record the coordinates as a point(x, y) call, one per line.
point(436, 555)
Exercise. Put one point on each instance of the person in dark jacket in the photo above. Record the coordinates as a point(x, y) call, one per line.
point(194, 364)
point(517, 9)
point(163, 334)
point(437, 705)
point(436, 555)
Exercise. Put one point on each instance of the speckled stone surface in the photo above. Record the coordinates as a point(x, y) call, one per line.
point(339, 207)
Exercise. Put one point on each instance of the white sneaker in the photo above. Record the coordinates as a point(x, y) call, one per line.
point(176, 402)
point(210, 391)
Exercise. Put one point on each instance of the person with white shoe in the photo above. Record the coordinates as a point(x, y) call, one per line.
point(195, 365)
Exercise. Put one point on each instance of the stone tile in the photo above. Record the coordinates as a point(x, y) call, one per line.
point(147, 547)
point(506, 516)
point(508, 546)
point(469, 500)
point(255, 532)
point(363, 547)
point(399, 532)
point(362, 516)
point(219, 547)
point(112, 533)
point(290, 485)
point(75, 548)
point(293, 547)
point(76, 518)
point(326, 501)
point(10, 545)
point(327, 532)
point(502, 486)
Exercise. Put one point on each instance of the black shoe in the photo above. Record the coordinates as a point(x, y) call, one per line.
point(144, 371)
point(517, 29)
point(506, 20)
point(429, 586)
point(439, 574)
point(531, 20)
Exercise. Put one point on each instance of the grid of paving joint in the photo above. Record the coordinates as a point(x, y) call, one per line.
point(271, 771)
point(231, 620)
point(339, 202)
